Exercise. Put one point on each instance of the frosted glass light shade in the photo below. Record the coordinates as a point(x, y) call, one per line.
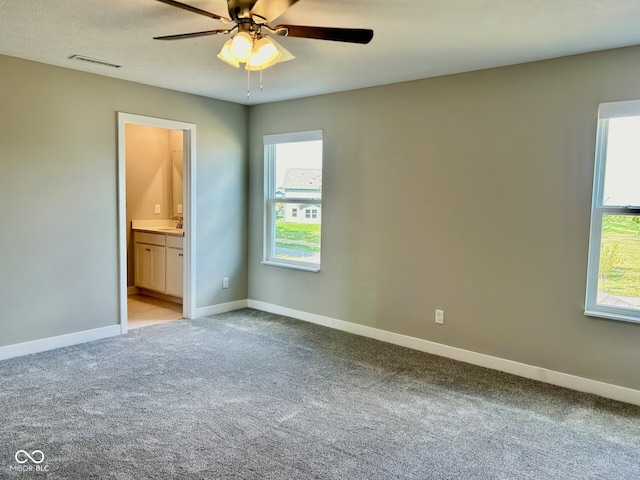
point(225, 55)
point(241, 46)
point(264, 55)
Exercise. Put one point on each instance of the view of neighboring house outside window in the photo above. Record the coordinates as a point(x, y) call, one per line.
point(613, 278)
point(302, 183)
point(293, 199)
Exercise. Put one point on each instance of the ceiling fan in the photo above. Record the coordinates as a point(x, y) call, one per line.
point(250, 44)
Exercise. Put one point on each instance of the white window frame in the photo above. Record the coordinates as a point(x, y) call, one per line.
point(598, 210)
point(270, 198)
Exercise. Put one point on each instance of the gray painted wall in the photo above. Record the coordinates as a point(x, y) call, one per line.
point(58, 166)
point(470, 193)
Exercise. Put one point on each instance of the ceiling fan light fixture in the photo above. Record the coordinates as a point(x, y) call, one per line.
point(241, 46)
point(264, 55)
point(249, 46)
point(226, 57)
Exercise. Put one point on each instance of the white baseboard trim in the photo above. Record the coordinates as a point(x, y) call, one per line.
point(553, 377)
point(219, 308)
point(60, 341)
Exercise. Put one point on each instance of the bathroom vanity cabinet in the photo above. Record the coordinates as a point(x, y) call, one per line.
point(158, 262)
point(174, 262)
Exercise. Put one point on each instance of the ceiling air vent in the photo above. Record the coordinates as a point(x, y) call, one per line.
point(82, 58)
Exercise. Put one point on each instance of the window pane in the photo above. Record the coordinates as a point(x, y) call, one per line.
point(297, 237)
point(622, 163)
point(298, 170)
point(293, 163)
point(619, 272)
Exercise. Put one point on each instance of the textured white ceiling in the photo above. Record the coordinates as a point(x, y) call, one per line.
point(413, 39)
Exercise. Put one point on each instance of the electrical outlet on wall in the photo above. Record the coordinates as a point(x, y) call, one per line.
point(225, 282)
point(157, 208)
point(439, 316)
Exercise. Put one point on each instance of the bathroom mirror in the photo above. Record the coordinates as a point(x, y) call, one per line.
point(177, 161)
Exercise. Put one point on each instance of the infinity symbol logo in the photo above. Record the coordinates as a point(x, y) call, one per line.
point(20, 454)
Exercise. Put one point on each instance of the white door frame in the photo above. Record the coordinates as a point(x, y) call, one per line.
point(189, 211)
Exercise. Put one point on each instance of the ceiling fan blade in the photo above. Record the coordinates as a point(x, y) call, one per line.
point(191, 35)
point(351, 35)
point(271, 9)
point(189, 8)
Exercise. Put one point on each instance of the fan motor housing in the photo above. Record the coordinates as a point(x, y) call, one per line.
point(240, 8)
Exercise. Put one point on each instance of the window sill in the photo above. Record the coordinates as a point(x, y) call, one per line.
point(290, 265)
point(612, 316)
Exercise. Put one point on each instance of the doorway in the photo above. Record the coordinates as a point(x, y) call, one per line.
point(155, 219)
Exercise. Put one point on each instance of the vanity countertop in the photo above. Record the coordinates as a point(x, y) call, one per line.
point(176, 232)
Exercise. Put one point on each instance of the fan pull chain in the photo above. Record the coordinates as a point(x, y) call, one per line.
point(260, 79)
point(248, 83)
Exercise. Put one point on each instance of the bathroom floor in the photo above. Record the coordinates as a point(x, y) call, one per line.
point(144, 311)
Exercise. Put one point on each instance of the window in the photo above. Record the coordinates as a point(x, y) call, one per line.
point(613, 279)
point(293, 183)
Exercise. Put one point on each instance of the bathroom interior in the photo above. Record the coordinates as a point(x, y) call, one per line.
point(154, 161)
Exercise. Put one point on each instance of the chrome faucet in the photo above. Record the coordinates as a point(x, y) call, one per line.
point(180, 223)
